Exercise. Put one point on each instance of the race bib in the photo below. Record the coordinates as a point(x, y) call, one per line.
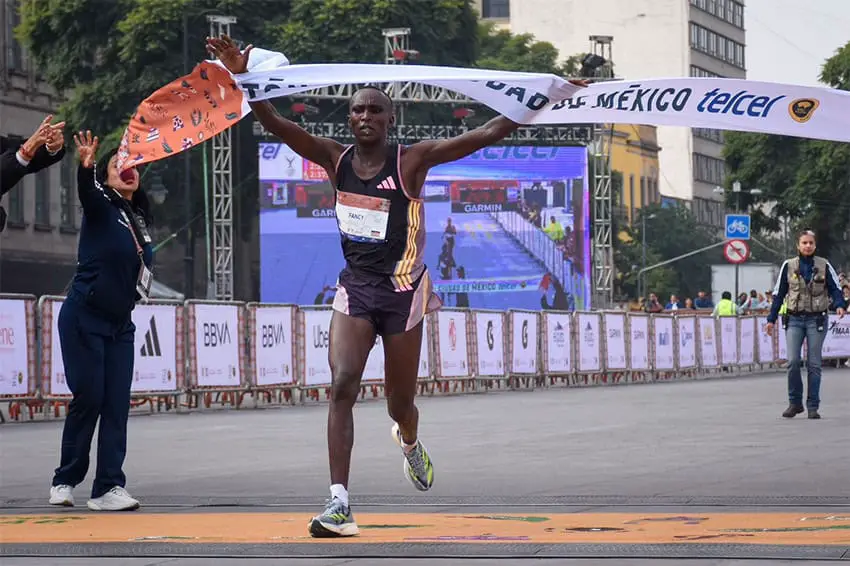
point(362, 218)
point(143, 284)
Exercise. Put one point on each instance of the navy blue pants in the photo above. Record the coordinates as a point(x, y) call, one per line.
point(98, 358)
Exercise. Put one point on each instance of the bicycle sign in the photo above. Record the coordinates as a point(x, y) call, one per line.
point(737, 226)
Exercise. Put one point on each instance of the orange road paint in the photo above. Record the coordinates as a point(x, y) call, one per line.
point(482, 528)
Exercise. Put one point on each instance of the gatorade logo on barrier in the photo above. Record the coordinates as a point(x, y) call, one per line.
point(491, 339)
point(216, 334)
point(524, 333)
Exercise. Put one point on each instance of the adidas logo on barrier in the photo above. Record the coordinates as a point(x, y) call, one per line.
point(151, 346)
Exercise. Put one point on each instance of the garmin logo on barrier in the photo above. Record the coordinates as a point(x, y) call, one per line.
point(323, 213)
point(216, 334)
point(515, 152)
point(636, 99)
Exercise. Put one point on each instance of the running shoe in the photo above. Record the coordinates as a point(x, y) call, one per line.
point(335, 521)
point(418, 467)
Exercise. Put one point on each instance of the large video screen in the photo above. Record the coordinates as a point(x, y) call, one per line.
point(507, 227)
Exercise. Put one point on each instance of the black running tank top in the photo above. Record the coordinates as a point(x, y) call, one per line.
point(382, 229)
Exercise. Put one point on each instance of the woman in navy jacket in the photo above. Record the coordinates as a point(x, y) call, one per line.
point(96, 330)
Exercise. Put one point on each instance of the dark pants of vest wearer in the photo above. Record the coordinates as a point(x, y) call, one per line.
point(98, 358)
point(802, 327)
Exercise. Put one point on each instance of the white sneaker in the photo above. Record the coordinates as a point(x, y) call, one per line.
point(116, 499)
point(62, 495)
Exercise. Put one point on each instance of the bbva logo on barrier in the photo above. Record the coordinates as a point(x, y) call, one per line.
point(273, 348)
point(217, 348)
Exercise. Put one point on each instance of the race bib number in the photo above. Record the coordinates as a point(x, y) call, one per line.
point(362, 218)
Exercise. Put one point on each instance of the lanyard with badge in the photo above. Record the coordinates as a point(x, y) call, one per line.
point(145, 279)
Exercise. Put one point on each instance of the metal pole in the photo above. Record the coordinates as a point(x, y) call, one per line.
point(683, 256)
point(210, 287)
point(189, 261)
point(643, 252)
point(737, 265)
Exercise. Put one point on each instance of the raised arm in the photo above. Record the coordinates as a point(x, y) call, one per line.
point(322, 151)
point(92, 197)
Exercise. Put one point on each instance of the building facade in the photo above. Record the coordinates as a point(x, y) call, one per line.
point(635, 156)
point(38, 248)
point(652, 38)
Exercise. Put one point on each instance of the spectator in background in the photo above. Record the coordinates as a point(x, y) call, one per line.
point(673, 305)
point(561, 301)
point(461, 299)
point(689, 304)
point(554, 230)
point(653, 305)
point(449, 235)
point(726, 307)
point(703, 301)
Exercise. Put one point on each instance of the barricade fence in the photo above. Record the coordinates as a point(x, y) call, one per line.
point(219, 352)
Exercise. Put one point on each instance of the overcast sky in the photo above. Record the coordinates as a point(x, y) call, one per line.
point(788, 40)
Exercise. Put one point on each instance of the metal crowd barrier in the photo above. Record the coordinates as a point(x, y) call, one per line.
point(205, 353)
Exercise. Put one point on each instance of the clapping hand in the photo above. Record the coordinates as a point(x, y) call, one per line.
point(86, 148)
point(46, 134)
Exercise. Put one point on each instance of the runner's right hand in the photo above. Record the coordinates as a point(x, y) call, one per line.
point(225, 49)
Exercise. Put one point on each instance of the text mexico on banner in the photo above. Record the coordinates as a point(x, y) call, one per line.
point(639, 353)
point(317, 326)
point(728, 340)
point(217, 345)
point(747, 341)
point(837, 341)
point(452, 353)
point(558, 343)
point(589, 343)
point(687, 342)
point(14, 363)
point(155, 362)
point(708, 342)
point(491, 343)
point(663, 327)
point(58, 385)
point(615, 344)
point(273, 342)
point(524, 340)
point(767, 354)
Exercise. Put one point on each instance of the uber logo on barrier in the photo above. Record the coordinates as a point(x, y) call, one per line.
point(491, 340)
point(216, 334)
point(321, 338)
point(524, 334)
point(271, 335)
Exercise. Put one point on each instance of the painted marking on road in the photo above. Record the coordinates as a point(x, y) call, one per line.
point(277, 528)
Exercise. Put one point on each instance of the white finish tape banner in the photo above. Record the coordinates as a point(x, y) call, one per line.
point(58, 385)
point(664, 358)
point(708, 341)
point(317, 337)
point(491, 343)
point(451, 328)
point(615, 332)
point(639, 331)
point(155, 364)
point(524, 340)
point(424, 360)
point(217, 345)
point(273, 341)
point(589, 343)
point(837, 341)
point(559, 358)
point(728, 340)
point(747, 342)
point(14, 365)
point(374, 370)
point(765, 342)
point(687, 342)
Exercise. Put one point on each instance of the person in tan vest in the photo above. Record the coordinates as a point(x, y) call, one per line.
point(806, 283)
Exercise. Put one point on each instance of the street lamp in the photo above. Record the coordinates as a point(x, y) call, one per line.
point(643, 218)
point(157, 191)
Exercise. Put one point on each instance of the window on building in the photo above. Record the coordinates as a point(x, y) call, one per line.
point(631, 196)
point(496, 9)
point(68, 217)
point(730, 11)
point(709, 169)
point(14, 57)
point(709, 134)
point(717, 46)
point(16, 204)
point(42, 197)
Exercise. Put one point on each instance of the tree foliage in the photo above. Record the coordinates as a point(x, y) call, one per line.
point(806, 181)
point(503, 50)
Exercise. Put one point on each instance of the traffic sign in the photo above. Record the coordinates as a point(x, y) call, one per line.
point(736, 251)
point(737, 226)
